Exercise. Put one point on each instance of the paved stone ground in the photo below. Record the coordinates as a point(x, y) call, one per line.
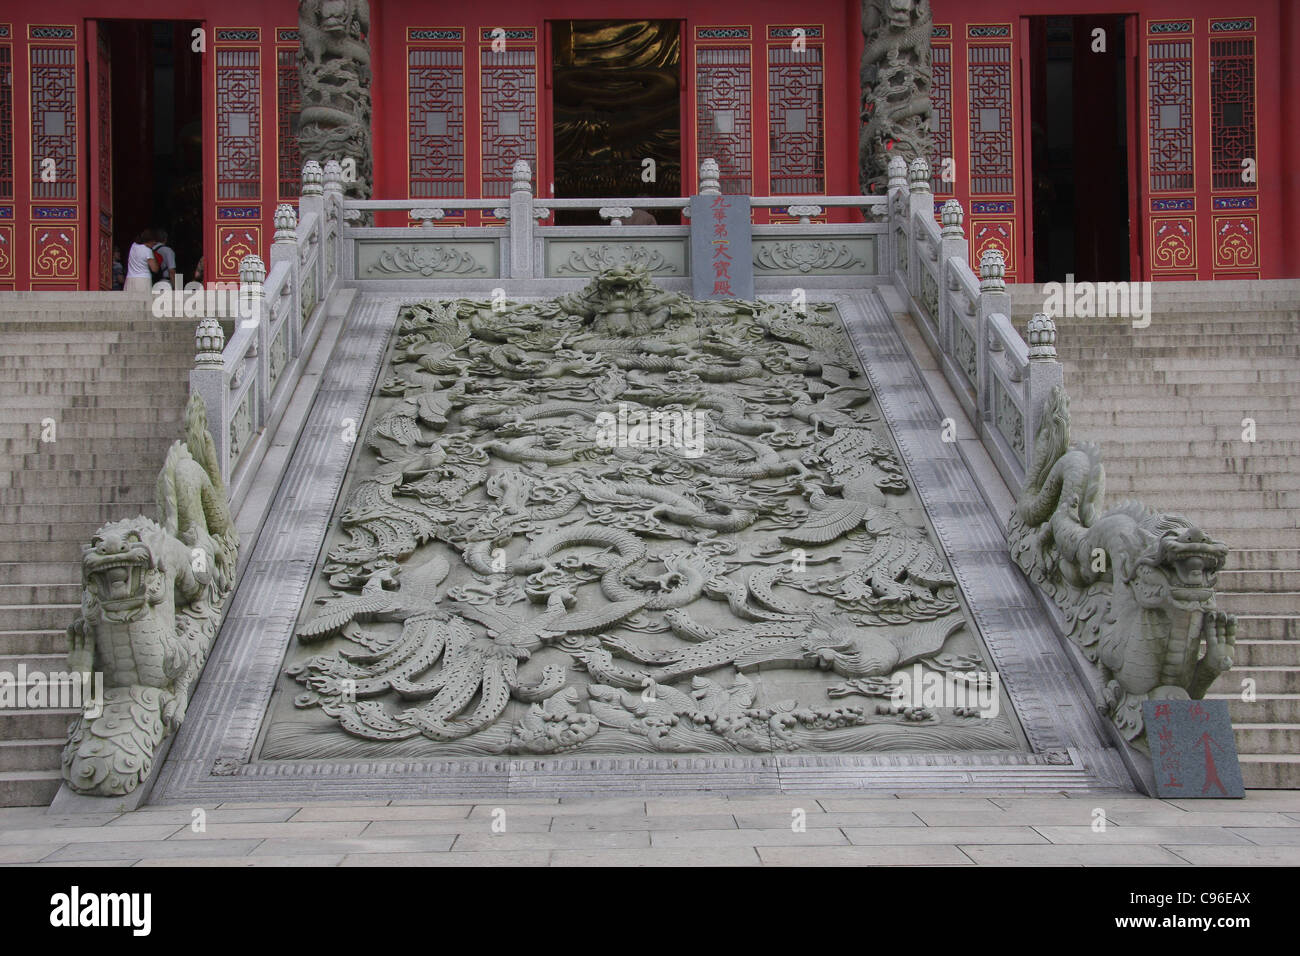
point(702, 830)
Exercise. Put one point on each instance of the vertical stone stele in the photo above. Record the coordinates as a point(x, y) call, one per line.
point(152, 597)
point(895, 78)
point(334, 70)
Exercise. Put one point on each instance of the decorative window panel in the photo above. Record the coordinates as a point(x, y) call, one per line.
point(1232, 111)
point(54, 121)
point(239, 119)
point(724, 113)
point(436, 119)
point(1169, 118)
point(796, 114)
point(6, 122)
point(288, 98)
point(941, 117)
point(509, 111)
point(991, 143)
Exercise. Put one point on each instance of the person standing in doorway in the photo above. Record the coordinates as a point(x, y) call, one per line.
point(141, 263)
point(166, 257)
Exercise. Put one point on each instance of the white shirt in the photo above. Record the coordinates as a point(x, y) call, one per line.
point(137, 261)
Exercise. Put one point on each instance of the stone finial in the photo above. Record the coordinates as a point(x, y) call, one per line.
point(313, 178)
point(951, 216)
point(521, 177)
point(1041, 332)
point(286, 223)
point(993, 271)
point(333, 176)
point(710, 178)
point(252, 271)
point(918, 174)
point(897, 173)
point(209, 341)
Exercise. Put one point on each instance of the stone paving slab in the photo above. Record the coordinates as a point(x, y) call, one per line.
point(696, 830)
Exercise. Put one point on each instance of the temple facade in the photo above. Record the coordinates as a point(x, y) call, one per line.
point(1103, 144)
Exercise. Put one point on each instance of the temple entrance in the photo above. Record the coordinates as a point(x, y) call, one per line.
point(616, 108)
point(1081, 113)
point(150, 124)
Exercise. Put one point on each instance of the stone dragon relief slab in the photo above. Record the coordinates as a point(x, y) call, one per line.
point(626, 522)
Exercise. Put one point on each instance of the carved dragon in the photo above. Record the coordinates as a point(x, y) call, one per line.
point(334, 70)
point(152, 597)
point(1137, 587)
point(895, 78)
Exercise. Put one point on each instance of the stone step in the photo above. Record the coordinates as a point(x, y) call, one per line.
point(86, 364)
point(38, 617)
point(51, 642)
point(65, 593)
point(1264, 709)
point(95, 513)
point(1265, 559)
point(39, 374)
point(1267, 738)
point(1259, 602)
point(31, 431)
point(91, 403)
point(143, 412)
point(1268, 627)
point(1251, 653)
point(29, 788)
point(1205, 394)
point(1120, 486)
point(123, 479)
point(95, 453)
point(1178, 448)
point(109, 392)
point(1192, 351)
point(40, 724)
point(1085, 419)
point(1177, 338)
point(1174, 496)
point(1260, 374)
point(42, 753)
point(1272, 580)
point(1127, 361)
point(38, 572)
point(1119, 460)
point(1274, 679)
point(136, 495)
point(1270, 771)
point(59, 550)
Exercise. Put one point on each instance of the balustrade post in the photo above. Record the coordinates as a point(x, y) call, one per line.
point(920, 203)
point(897, 209)
point(993, 299)
point(208, 381)
point(710, 177)
point(333, 212)
point(953, 244)
point(284, 248)
point(252, 276)
point(521, 221)
point(1045, 373)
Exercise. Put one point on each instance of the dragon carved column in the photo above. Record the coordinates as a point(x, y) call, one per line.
point(895, 79)
point(334, 69)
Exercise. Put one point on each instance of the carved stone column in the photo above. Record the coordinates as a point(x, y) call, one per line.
point(334, 69)
point(895, 86)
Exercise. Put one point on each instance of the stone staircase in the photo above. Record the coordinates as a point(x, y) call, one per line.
point(114, 380)
point(1166, 404)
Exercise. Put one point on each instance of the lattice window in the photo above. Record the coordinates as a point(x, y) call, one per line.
point(239, 107)
point(991, 144)
point(288, 98)
point(509, 116)
point(941, 117)
point(724, 111)
point(436, 103)
point(1232, 111)
point(1169, 118)
point(54, 121)
point(6, 123)
point(795, 120)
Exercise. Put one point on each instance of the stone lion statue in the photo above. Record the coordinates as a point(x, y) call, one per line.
point(151, 601)
point(1137, 586)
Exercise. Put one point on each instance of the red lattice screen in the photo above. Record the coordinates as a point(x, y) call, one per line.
point(436, 121)
point(724, 113)
point(796, 119)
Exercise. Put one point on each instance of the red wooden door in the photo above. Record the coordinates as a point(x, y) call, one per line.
point(100, 231)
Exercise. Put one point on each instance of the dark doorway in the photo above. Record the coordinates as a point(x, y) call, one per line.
point(1079, 114)
point(617, 103)
point(157, 141)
